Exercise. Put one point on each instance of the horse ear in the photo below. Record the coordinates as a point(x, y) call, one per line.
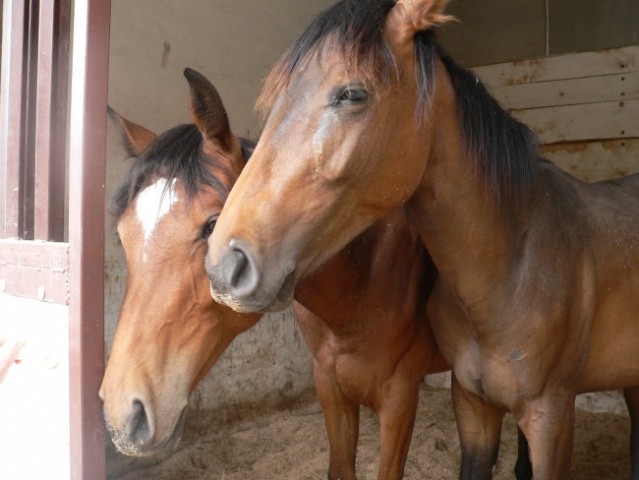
point(207, 110)
point(136, 137)
point(408, 17)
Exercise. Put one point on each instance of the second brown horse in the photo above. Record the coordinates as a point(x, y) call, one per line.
point(362, 314)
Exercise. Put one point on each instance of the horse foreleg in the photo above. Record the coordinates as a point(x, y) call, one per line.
point(523, 467)
point(632, 402)
point(341, 417)
point(396, 412)
point(479, 428)
point(548, 424)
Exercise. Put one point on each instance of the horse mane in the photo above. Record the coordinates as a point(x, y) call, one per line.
point(176, 154)
point(505, 150)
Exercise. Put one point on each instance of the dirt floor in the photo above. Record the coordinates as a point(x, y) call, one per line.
point(292, 445)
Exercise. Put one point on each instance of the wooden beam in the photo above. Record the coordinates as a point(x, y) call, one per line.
point(561, 67)
point(594, 161)
point(606, 88)
point(87, 146)
point(592, 121)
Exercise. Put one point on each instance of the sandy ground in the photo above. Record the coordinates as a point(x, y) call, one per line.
point(292, 445)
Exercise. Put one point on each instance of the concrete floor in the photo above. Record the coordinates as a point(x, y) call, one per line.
point(34, 396)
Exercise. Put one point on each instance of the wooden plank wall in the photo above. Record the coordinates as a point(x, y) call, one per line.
point(584, 107)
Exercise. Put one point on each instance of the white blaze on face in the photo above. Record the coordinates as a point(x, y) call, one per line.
point(328, 162)
point(152, 204)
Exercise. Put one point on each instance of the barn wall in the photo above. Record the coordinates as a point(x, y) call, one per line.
point(494, 31)
point(583, 107)
point(233, 44)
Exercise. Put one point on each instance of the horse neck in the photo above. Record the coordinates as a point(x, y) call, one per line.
point(467, 233)
point(380, 269)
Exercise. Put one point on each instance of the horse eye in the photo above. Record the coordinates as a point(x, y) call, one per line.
point(208, 227)
point(350, 95)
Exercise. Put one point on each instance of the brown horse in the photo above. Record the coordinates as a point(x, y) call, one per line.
point(364, 313)
point(169, 332)
point(538, 290)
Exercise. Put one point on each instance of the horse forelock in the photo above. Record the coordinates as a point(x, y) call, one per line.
point(354, 26)
point(176, 155)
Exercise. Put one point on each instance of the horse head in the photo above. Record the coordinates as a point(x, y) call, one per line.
point(170, 331)
point(329, 162)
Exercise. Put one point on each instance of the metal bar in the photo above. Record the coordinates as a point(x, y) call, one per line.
point(12, 118)
point(87, 147)
point(51, 119)
point(29, 86)
point(60, 106)
point(1, 15)
point(43, 153)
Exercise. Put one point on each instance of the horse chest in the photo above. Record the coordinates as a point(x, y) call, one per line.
point(502, 374)
point(357, 379)
point(498, 383)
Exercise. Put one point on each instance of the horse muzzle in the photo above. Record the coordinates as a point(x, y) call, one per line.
point(137, 436)
point(239, 282)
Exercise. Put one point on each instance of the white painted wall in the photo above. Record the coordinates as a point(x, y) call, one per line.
point(233, 43)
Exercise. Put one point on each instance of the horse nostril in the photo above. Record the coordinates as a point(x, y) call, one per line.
point(141, 432)
point(239, 270)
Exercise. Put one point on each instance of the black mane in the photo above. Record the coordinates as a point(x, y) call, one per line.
point(356, 27)
point(176, 154)
point(505, 149)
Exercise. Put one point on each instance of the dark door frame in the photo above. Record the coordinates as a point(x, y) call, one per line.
point(53, 100)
